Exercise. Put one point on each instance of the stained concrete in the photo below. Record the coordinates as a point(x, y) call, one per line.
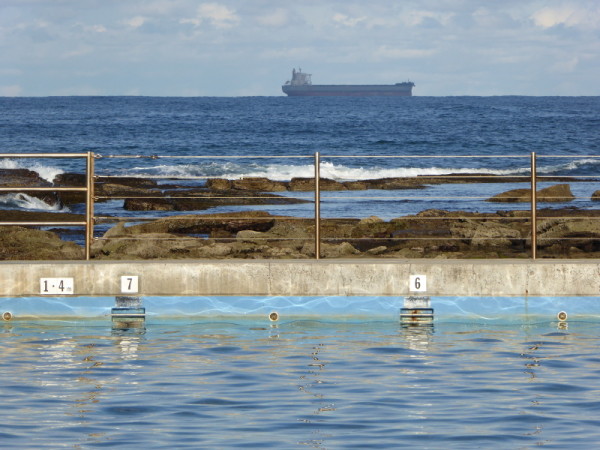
point(465, 278)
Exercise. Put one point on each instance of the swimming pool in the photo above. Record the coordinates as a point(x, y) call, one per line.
point(355, 309)
point(225, 382)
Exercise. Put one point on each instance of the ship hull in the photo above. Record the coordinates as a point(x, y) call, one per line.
point(323, 90)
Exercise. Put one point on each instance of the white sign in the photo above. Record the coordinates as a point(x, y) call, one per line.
point(417, 283)
point(129, 284)
point(56, 286)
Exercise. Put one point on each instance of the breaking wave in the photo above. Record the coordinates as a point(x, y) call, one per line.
point(340, 172)
point(44, 171)
point(24, 201)
point(286, 171)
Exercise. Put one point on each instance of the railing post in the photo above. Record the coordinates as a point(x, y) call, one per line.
point(89, 206)
point(533, 207)
point(317, 206)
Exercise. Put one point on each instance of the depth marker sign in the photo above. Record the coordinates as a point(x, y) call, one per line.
point(56, 286)
point(417, 283)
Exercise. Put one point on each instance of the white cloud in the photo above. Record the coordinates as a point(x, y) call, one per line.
point(343, 19)
point(418, 17)
point(484, 41)
point(136, 22)
point(98, 28)
point(220, 16)
point(569, 15)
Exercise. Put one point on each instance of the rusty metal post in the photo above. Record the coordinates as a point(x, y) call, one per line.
point(533, 207)
point(89, 206)
point(317, 206)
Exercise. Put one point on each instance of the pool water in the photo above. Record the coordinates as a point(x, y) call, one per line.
point(216, 383)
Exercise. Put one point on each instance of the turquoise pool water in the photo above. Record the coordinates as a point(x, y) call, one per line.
point(355, 381)
point(354, 309)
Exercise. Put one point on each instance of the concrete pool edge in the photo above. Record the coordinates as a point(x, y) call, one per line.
point(339, 277)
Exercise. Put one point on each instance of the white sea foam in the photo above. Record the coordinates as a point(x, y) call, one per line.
point(284, 172)
point(25, 201)
point(566, 166)
point(46, 172)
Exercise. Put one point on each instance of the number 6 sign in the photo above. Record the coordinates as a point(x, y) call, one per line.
point(417, 283)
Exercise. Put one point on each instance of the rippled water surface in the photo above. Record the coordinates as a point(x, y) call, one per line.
point(300, 384)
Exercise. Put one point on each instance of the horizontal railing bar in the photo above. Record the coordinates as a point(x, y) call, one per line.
point(159, 177)
point(425, 156)
point(569, 238)
point(100, 156)
point(325, 197)
point(140, 219)
point(43, 224)
point(449, 176)
point(177, 238)
point(415, 177)
point(412, 218)
point(459, 175)
point(590, 177)
point(44, 189)
point(537, 155)
point(405, 198)
point(253, 238)
point(396, 219)
point(345, 180)
point(43, 155)
point(204, 156)
point(166, 197)
point(429, 238)
point(568, 218)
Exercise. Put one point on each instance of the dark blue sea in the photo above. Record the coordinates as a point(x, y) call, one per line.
point(277, 137)
point(332, 373)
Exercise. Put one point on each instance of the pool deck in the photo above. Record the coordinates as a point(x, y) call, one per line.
point(335, 277)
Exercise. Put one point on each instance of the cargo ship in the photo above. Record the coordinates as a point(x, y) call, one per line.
point(301, 85)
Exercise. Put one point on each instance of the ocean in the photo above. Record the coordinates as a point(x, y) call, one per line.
point(277, 138)
point(333, 372)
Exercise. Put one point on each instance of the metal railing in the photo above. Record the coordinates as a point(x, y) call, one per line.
point(91, 178)
point(88, 223)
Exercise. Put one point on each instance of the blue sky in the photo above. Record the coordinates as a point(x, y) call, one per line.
point(249, 47)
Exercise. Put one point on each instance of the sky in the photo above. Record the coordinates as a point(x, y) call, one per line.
point(249, 47)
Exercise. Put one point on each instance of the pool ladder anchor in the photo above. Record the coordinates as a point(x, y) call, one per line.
point(128, 313)
point(417, 311)
point(562, 320)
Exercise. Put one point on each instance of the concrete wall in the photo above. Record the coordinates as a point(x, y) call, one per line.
point(470, 278)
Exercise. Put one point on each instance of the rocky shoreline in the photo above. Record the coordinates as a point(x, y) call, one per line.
point(561, 233)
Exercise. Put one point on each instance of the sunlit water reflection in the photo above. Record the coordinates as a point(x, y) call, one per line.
point(202, 383)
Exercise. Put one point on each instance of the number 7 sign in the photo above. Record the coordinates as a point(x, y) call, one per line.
point(129, 284)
